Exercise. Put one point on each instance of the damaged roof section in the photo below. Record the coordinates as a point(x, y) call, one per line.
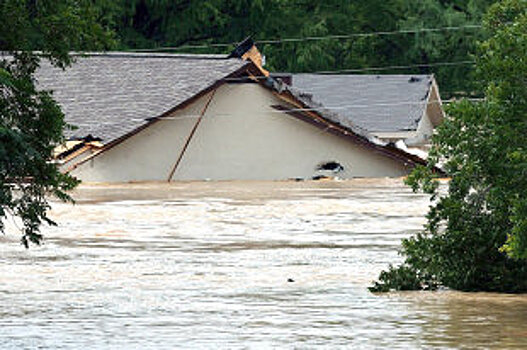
point(310, 110)
point(376, 103)
point(108, 95)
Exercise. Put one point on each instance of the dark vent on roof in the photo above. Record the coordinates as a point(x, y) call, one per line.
point(414, 80)
point(242, 48)
point(88, 138)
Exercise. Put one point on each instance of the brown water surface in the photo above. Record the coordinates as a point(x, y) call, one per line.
point(206, 265)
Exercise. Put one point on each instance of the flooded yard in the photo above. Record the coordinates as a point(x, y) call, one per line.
point(236, 265)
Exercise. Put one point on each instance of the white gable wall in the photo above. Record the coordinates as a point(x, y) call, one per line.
point(425, 130)
point(241, 137)
point(432, 117)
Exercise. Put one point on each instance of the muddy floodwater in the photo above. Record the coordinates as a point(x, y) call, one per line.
point(236, 265)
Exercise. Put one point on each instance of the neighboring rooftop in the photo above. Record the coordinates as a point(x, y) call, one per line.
point(107, 95)
point(376, 103)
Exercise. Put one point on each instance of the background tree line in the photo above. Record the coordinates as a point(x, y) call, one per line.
point(148, 24)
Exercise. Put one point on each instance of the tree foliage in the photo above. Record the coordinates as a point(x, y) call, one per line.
point(31, 123)
point(476, 235)
point(148, 24)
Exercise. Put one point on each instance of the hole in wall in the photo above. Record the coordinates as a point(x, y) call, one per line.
point(332, 166)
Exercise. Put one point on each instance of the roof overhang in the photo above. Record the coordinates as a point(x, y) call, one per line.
point(394, 134)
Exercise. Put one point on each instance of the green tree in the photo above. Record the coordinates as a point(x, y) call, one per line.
point(476, 235)
point(153, 23)
point(31, 123)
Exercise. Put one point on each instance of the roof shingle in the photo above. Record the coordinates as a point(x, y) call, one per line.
point(376, 103)
point(107, 95)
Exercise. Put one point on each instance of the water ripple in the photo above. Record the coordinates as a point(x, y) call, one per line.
point(236, 265)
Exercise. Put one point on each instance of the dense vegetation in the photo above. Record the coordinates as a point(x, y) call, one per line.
point(476, 236)
point(168, 23)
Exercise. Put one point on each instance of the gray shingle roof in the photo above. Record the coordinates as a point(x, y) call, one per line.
point(376, 103)
point(108, 95)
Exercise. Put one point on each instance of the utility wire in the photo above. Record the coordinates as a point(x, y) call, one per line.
point(366, 69)
point(316, 38)
point(385, 78)
point(355, 35)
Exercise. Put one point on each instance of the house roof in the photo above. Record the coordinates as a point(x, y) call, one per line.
point(376, 103)
point(305, 109)
point(108, 95)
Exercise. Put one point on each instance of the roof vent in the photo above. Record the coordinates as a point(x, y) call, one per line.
point(414, 80)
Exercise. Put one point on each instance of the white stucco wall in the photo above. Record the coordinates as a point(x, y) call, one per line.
point(425, 129)
point(240, 138)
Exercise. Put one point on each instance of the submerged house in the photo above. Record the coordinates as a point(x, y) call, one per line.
point(166, 117)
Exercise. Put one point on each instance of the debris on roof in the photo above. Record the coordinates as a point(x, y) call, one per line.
point(72, 149)
point(415, 151)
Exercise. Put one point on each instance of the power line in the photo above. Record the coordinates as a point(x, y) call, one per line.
point(366, 69)
point(317, 38)
point(355, 35)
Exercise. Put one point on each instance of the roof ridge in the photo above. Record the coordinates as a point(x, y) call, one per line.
point(127, 54)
